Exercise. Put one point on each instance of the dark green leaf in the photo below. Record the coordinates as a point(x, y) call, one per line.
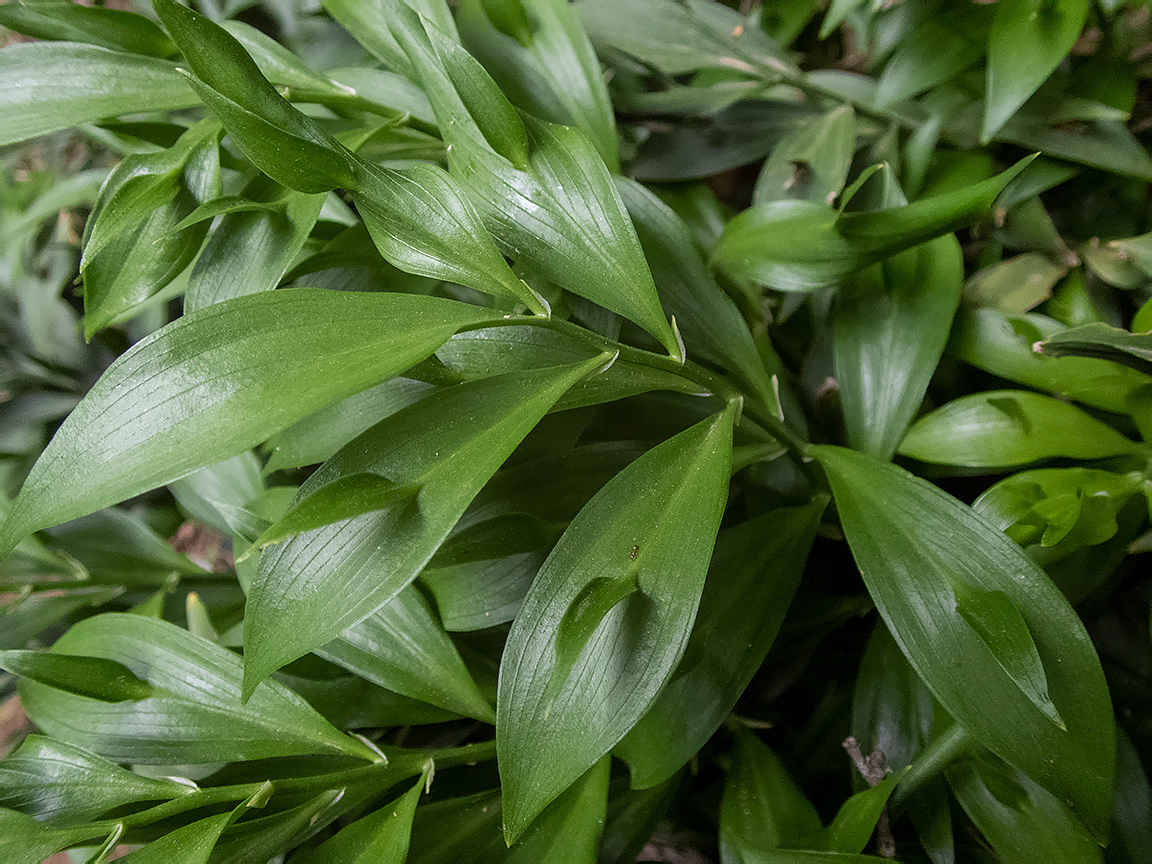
point(48, 86)
point(1103, 342)
point(246, 368)
point(378, 837)
point(24, 617)
point(913, 542)
point(56, 781)
point(117, 29)
point(608, 617)
point(403, 648)
point(944, 44)
point(1001, 428)
point(188, 844)
point(476, 426)
point(371, 24)
point(1028, 40)
point(458, 829)
point(890, 327)
point(569, 828)
point(23, 840)
point(90, 677)
point(194, 714)
point(754, 573)
point(812, 162)
point(856, 820)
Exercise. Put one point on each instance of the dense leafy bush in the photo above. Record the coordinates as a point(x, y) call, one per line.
point(604, 324)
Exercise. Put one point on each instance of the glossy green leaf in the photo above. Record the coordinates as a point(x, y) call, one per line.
point(117, 29)
point(188, 844)
point(48, 86)
point(1021, 820)
point(23, 840)
point(681, 37)
point(608, 617)
point(1001, 428)
point(22, 618)
point(569, 828)
point(252, 247)
point(59, 782)
point(540, 56)
point(799, 245)
point(90, 677)
point(556, 207)
point(1028, 40)
point(712, 325)
point(812, 162)
point(403, 648)
point(281, 66)
point(1103, 342)
point(856, 819)
point(761, 808)
point(377, 837)
point(371, 23)
point(246, 368)
point(194, 716)
point(344, 566)
point(265, 838)
point(946, 42)
point(755, 570)
point(213, 494)
point(1002, 344)
point(322, 433)
point(889, 329)
point(913, 542)
point(456, 829)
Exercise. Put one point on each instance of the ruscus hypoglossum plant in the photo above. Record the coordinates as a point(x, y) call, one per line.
point(531, 431)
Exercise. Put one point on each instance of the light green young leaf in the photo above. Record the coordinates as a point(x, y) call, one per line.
point(244, 368)
point(48, 86)
point(754, 573)
point(544, 63)
point(912, 541)
point(90, 677)
point(448, 444)
point(890, 326)
point(1015, 285)
point(812, 162)
point(1021, 820)
point(799, 245)
point(1001, 428)
point(1029, 38)
point(382, 836)
point(281, 66)
point(1102, 342)
point(56, 781)
point(608, 617)
point(194, 715)
point(403, 647)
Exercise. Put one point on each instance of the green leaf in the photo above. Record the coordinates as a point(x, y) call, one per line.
point(91, 677)
point(245, 368)
point(268, 837)
point(1132, 803)
point(1028, 40)
point(812, 162)
point(944, 44)
point(679, 37)
point(1001, 428)
point(214, 494)
point(23, 840)
point(1002, 344)
point(253, 245)
point(56, 781)
point(799, 245)
point(1103, 342)
point(371, 25)
point(761, 808)
point(117, 29)
point(403, 647)
point(913, 542)
point(188, 844)
point(540, 56)
point(194, 715)
point(755, 570)
point(23, 618)
point(856, 819)
point(1020, 819)
point(422, 223)
point(1015, 285)
point(48, 86)
point(457, 829)
point(649, 533)
point(379, 836)
point(569, 828)
point(890, 326)
point(448, 444)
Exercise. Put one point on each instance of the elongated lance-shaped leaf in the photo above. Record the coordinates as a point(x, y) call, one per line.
point(912, 542)
point(218, 381)
point(52, 779)
point(91, 677)
point(371, 25)
point(811, 163)
point(48, 86)
point(313, 587)
point(378, 837)
point(1103, 342)
point(754, 573)
point(552, 205)
point(1029, 39)
point(800, 246)
point(637, 554)
point(23, 840)
point(117, 29)
point(194, 715)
